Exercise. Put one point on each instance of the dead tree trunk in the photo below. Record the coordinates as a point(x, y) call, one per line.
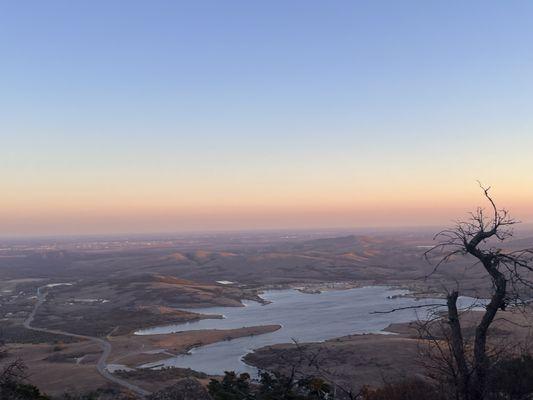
point(457, 345)
point(481, 362)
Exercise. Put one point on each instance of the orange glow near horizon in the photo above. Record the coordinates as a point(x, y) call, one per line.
point(149, 208)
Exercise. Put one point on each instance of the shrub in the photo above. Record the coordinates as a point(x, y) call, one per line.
point(512, 379)
point(413, 389)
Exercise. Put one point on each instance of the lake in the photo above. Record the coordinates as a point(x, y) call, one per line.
point(303, 317)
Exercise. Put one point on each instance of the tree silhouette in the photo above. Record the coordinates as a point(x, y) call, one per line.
point(509, 273)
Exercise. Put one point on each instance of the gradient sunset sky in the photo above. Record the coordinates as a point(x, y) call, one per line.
point(163, 116)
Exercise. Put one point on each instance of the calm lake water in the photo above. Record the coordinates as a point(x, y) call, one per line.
point(303, 317)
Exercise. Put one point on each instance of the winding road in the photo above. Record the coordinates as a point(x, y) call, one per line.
point(101, 365)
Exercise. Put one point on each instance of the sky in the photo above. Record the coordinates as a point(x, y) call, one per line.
point(169, 116)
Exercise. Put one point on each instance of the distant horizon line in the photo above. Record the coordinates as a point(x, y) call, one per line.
point(214, 231)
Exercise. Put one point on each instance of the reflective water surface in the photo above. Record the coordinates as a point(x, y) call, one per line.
point(303, 317)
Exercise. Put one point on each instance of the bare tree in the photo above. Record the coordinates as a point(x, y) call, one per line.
point(14, 371)
point(438, 354)
point(480, 236)
point(314, 360)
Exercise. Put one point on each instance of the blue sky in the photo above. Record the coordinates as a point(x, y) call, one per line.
point(277, 94)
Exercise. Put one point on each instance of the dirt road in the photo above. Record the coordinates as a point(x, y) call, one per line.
point(101, 365)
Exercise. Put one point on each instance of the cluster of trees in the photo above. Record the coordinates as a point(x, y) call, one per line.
point(272, 386)
point(510, 379)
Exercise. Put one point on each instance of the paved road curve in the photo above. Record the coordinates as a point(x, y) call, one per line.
point(101, 365)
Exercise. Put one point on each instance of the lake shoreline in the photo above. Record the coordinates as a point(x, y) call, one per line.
point(340, 312)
